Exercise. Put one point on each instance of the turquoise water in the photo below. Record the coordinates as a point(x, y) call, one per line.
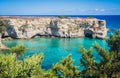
point(54, 49)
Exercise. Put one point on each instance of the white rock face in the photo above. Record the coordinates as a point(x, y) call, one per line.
point(28, 27)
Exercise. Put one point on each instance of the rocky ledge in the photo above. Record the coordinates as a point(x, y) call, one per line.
point(28, 27)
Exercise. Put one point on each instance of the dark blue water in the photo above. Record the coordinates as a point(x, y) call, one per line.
point(56, 48)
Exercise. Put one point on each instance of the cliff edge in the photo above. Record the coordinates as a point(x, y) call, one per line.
point(28, 27)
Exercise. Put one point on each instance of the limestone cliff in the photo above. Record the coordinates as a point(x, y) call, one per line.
point(28, 27)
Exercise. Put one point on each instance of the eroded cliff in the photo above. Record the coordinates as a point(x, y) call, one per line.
point(28, 27)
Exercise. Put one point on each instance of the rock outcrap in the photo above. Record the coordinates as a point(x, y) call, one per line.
point(28, 27)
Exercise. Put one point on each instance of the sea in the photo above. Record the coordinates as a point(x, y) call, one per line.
point(54, 49)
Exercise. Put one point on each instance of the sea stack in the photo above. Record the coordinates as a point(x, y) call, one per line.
point(28, 27)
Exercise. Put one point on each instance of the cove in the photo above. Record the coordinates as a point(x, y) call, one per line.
point(54, 49)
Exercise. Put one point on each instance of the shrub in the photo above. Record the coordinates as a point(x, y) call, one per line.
point(2, 28)
point(12, 68)
point(19, 49)
point(30, 67)
point(62, 17)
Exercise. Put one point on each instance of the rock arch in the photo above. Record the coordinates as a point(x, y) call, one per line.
point(88, 33)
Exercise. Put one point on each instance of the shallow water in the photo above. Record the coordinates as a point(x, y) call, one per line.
point(54, 49)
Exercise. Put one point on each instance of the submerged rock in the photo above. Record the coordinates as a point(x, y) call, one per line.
point(28, 27)
point(3, 47)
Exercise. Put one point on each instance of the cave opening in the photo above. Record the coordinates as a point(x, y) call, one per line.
point(88, 33)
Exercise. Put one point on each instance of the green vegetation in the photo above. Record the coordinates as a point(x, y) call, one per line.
point(66, 68)
point(90, 17)
point(71, 28)
point(114, 41)
point(107, 68)
point(12, 68)
point(2, 28)
point(30, 67)
point(62, 17)
point(23, 27)
point(19, 50)
point(85, 25)
point(110, 63)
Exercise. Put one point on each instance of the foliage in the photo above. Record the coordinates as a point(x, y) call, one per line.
point(110, 63)
point(23, 27)
point(63, 69)
point(114, 41)
point(66, 69)
point(85, 25)
point(62, 17)
point(2, 28)
point(90, 66)
point(19, 49)
point(30, 67)
point(90, 17)
point(11, 68)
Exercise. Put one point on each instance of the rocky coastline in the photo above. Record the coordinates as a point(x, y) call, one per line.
point(29, 27)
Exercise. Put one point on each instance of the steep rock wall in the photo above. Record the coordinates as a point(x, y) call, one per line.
point(28, 27)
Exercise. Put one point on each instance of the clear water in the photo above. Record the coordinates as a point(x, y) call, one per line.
point(54, 49)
